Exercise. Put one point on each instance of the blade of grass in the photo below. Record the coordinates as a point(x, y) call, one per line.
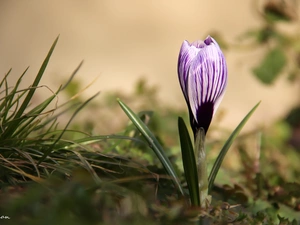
point(95, 139)
point(56, 116)
point(228, 143)
point(32, 115)
point(8, 100)
point(18, 119)
point(27, 156)
point(51, 147)
point(88, 167)
point(18, 170)
point(189, 163)
point(72, 76)
point(4, 80)
point(153, 144)
point(53, 118)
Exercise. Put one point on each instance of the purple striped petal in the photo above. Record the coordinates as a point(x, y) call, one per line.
point(187, 54)
point(202, 73)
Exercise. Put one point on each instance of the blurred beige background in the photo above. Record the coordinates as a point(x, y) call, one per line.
point(124, 40)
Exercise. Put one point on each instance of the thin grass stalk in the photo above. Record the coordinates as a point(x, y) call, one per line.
point(18, 116)
point(5, 77)
point(153, 144)
point(8, 100)
point(31, 116)
point(48, 151)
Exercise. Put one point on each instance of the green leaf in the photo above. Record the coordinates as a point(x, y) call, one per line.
point(275, 12)
point(189, 163)
point(228, 143)
point(153, 144)
point(271, 66)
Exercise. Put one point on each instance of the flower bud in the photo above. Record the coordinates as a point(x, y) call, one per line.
point(202, 73)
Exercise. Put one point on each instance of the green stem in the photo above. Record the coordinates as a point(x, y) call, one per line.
point(202, 167)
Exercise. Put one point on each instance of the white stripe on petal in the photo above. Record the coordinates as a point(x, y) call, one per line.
point(187, 54)
point(194, 93)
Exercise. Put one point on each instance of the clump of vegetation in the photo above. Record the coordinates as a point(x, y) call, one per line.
point(54, 175)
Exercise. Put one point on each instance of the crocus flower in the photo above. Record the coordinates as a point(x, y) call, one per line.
point(202, 73)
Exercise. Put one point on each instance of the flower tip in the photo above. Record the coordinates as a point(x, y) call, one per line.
point(209, 40)
point(185, 44)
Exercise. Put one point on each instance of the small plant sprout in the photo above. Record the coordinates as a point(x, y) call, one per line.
point(202, 73)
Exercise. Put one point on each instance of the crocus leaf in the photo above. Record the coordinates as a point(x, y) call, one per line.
point(228, 143)
point(189, 163)
point(271, 66)
point(153, 144)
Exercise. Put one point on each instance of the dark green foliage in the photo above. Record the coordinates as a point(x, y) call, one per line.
point(280, 45)
point(279, 10)
point(189, 163)
point(271, 66)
